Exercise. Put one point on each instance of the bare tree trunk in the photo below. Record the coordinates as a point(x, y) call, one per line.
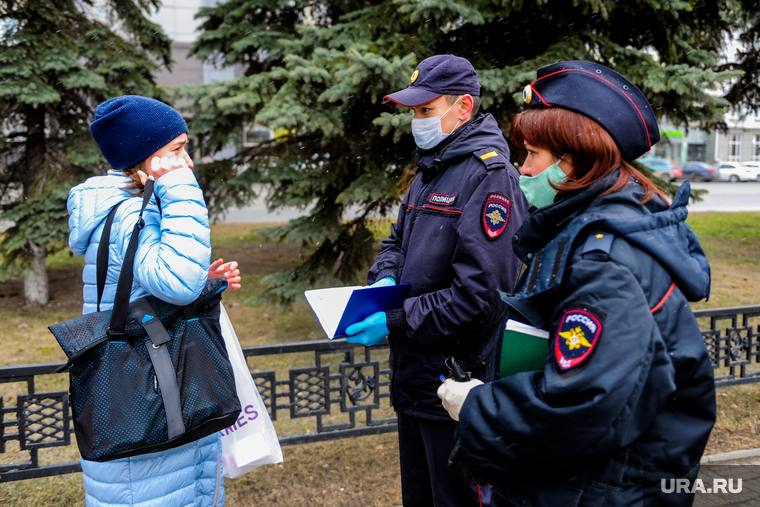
point(36, 279)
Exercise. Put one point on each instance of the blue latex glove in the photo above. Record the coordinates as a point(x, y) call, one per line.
point(384, 282)
point(368, 332)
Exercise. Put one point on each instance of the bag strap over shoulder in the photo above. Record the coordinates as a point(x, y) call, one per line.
point(102, 259)
point(124, 287)
point(166, 376)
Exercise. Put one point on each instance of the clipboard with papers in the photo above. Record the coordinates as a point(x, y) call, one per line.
point(337, 308)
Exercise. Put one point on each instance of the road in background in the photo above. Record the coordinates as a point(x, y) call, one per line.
point(725, 196)
point(721, 196)
point(257, 212)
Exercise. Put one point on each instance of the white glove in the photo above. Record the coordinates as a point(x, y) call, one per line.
point(454, 393)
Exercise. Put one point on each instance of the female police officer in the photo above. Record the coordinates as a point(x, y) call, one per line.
point(626, 396)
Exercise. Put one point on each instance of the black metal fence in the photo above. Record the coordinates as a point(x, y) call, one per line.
point(333, 390)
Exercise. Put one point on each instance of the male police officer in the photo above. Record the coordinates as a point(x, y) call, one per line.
point(452, 244)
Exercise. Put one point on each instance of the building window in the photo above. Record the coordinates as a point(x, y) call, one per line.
point(735, 148)
point(254, 134)
point(697, 152)
point(756, 149)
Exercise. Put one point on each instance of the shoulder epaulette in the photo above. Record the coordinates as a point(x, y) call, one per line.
point(598, 241)
point(491, 158)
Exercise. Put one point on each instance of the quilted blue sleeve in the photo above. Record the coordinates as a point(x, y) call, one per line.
point(174, 251)
point(73, 206)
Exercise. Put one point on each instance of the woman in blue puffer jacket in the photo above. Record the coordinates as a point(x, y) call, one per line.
point(143, 138)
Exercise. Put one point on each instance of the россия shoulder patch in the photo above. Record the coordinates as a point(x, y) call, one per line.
point(495, 214)
point(577, 336)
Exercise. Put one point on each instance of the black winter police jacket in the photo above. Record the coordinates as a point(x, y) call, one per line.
point(452, 244)
point(626, 397)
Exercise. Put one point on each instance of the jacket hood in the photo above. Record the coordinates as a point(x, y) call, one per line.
point(89, 204)
point(655, 228)
point(479, 133)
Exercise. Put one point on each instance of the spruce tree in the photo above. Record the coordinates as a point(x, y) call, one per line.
point(58, 60)
point(745, 90)
point(317, 72)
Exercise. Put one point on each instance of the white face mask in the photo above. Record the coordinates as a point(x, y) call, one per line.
point(428, 131)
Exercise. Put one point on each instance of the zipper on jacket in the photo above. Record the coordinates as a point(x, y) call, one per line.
point(218, 476)
point(418, 204)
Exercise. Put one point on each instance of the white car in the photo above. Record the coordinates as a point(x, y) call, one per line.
point(755, 166)
point(735, 171)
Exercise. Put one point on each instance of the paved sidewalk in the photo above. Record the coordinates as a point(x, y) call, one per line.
point(729, 479)
point(723, 472)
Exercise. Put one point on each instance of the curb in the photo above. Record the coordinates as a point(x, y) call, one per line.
point(727, 456)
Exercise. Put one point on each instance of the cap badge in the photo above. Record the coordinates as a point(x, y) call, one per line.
point(527, 94)
point(415, 75)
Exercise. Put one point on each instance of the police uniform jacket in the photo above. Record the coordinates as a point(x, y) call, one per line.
point(626, 396)
point(449, 243)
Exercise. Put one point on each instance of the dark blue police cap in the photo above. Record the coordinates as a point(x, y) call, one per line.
point(436, 76)
point(604, 96)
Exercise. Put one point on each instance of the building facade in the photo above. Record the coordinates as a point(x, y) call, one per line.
point(177, 18)
point(678, 146)
point(741, 143)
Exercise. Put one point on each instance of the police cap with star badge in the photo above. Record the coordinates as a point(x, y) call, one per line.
point(604, 96)
point(437, 76)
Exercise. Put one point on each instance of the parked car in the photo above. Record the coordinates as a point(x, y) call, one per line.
point(660, 167)
point(754, 166)
point(677, 172)
point(735, 171)
point(699, 171)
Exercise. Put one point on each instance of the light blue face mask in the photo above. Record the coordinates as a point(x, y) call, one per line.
point(537, 189)
point(428, 131)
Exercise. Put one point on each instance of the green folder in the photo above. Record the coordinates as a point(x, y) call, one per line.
point(524, 348)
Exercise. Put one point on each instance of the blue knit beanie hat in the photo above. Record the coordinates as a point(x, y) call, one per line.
point(130, 128)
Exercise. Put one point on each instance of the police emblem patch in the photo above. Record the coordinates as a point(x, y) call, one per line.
point(578, 333)
point(495, 214)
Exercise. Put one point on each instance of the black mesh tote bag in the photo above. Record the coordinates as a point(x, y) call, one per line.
point(147, 375)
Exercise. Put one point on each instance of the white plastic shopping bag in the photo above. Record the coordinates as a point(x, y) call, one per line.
point(252, 440)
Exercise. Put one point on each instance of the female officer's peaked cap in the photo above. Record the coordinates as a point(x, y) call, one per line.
point(604, 96)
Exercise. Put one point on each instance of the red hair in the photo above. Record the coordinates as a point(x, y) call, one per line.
point(592, 151)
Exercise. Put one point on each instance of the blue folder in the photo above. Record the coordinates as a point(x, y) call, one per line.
point(369, 300)
point(339, 307)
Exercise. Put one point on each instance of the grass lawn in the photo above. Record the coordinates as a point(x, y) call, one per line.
point(354, 472)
